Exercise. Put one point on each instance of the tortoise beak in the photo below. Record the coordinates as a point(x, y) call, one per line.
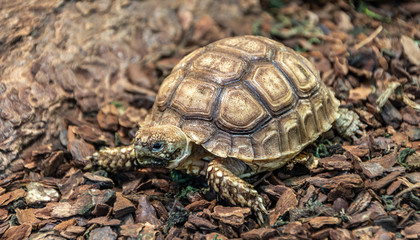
point(145, 162)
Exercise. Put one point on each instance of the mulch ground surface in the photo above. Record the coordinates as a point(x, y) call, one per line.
point(80, 75)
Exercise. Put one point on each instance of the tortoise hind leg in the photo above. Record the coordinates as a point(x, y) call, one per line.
point(348, 124)
point(222, 176)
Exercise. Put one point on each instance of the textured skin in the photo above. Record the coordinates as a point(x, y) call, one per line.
point(248, 98)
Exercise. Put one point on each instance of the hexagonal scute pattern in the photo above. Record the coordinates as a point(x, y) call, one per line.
point(239, 111)
point(273, 87)
point(195, 98)
point(304, 80)
point(251, 49)
point(219, 67)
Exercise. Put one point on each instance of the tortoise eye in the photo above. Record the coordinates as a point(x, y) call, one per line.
point(157, 146)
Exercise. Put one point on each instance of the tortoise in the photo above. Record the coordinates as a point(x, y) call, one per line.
point(234, 108)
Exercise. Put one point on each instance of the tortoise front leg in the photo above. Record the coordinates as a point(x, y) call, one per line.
point(113, 159)
point(222, 176)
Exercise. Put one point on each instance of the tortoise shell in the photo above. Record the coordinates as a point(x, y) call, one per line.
point(247, 97)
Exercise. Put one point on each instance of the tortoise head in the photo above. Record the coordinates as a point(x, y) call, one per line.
point(161, 146)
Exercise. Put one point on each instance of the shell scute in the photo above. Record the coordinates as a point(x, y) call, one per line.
point(239, 111)
point(304, 80)
point(219, 67)
point(195, 98)
point(273, 87)
point(253, 48)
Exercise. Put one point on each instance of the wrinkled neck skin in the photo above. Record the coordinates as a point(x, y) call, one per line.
point(161, 146)
point(179, 161)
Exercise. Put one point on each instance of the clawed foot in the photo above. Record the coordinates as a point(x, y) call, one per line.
point(234, 189)
point(348, 124)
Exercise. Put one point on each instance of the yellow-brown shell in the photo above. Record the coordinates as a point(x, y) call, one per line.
point(247, 97)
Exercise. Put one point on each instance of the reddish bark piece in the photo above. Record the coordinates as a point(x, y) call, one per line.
point(105, 221)
point(234, 216)
point(145, 212)
point(340, 234)
point(102, 182)
point(357, 150)
point(198, 205)
point(108, 117)
point(318, 222)
point(9, 197)
point(52, 163)
point(63, 225)
point(414, 177)
point(353, 180)
point(321, 234)
point(73, 231)
point(412, 232)
point(366, 232)
point(338, 162)
point(372, 169)
point(368, 118)
point(18, 232)
point(80, 150)
point(201, 223)
point(386, 161)
point(259, 234)
point(122, 206)
point(27, 216)
point(131, 230)
point(359, 93)
point(162, 212)
point(286, 201)
point(4, 214)
point(131, 117)
point(411, 49)
point(385, 180)
point(295, 229)
point(360, 203)
point(218, 236)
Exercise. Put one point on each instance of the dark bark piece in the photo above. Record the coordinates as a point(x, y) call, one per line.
point(353, 180)
point(201, 223)
point(286, 201)
point(122, 206)
point(198, 205)
point(385, 180)
point(234, 216)
point(259, 234)
point(108, 117)
point(336, 162)
point(340, 234)
point(145, 212)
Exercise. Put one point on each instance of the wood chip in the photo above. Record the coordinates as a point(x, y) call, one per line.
point(122, 206)
point(318, 222)
point(234, 216)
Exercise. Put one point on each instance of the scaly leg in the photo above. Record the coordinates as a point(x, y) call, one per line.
point(113, 159)
point(222, 176)
point(348, 124)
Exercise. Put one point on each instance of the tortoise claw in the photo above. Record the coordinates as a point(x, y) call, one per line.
point(234, 189)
